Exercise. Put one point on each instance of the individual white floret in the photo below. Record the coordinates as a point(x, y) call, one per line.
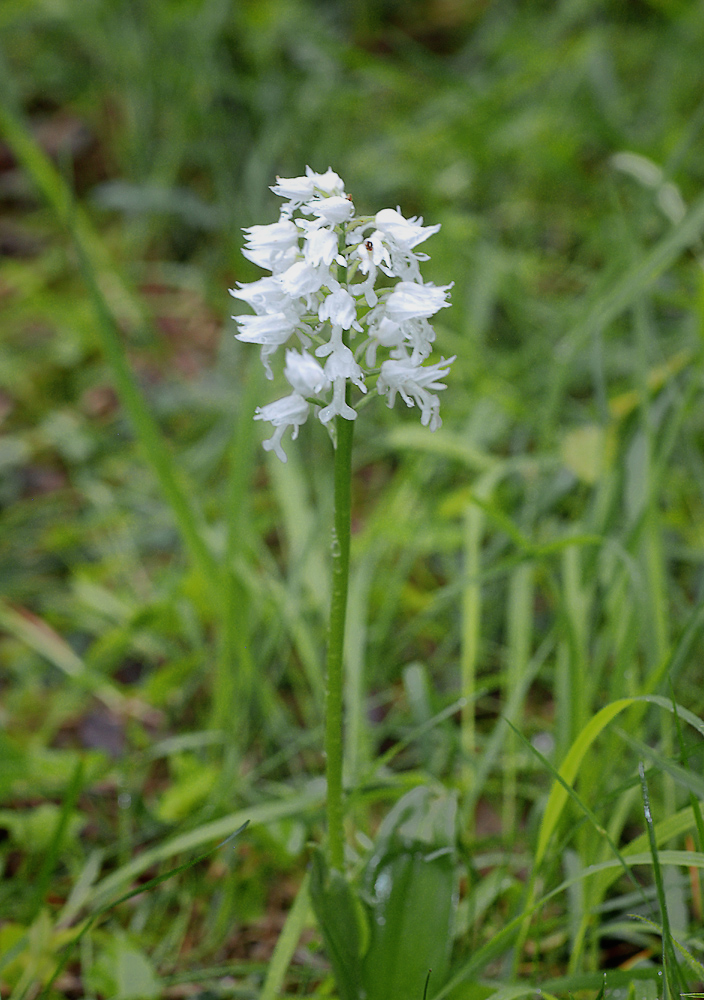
point(413, 383)
point(383, 333)
point(270, 331)
point(419, 336)
point(332, 210)
point(398, 334)
point(297, 189)
point(320, 246)
point(271, 246)
point(340, 308)
point(303, 278)
point(401, 235)
point(371, 254)
point(304, 374)
point(300, 190)
point(291, 411)
point(406, 233)
point(410, 300)
point(328, 183)
point(339, 368)
point(264, 295)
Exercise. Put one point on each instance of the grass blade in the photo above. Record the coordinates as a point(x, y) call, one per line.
point(669, 960)
point(568, 771)
point(51, 855)
point(286, 944)
point(582, 805)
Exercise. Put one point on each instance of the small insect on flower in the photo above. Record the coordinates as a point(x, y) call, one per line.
point(323, 265)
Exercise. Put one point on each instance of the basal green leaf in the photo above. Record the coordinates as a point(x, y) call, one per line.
point(341, 922)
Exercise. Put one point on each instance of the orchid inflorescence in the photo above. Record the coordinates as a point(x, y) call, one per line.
point(324, 265)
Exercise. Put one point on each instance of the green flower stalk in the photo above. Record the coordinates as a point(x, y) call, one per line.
point(324, 263)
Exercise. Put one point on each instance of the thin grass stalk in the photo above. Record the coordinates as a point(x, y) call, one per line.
point(652, 532)
point(562, 687)
point(287, 943)
point(669, 959)
point(51, 855)
point(652, 542)
point(519, 627)
point(576, 610)
point(471, 629)
point(698, 840)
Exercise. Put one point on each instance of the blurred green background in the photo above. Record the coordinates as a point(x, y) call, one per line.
point(546, 544)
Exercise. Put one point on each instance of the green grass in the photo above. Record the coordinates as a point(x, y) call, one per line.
point(529, 578)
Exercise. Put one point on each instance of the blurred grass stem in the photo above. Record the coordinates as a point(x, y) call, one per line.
point(471, 628)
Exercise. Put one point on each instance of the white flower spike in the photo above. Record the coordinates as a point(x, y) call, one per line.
point(324, 263)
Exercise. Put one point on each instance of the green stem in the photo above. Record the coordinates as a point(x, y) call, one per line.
point(336, 640)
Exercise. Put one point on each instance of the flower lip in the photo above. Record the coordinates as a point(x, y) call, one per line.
point(372, 252)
